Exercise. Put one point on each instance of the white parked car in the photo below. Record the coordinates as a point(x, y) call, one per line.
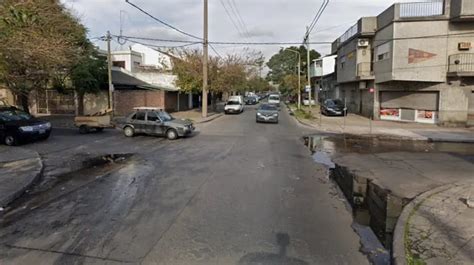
point(235, 104)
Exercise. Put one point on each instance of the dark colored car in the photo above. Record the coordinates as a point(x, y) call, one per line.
point(333, 107)
point(17, 126)
point(250, 101)
point(267, 113)
point(157, 122)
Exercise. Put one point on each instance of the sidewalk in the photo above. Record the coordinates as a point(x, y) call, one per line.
point(19, 169)
point(196, 117)
point(437, 228)
point(362, 126)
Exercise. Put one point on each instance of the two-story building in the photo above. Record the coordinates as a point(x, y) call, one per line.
point(421, 65)
point(355, 75)
point(323, 77)
point(424, 62)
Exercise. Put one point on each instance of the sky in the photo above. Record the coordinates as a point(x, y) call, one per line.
point(261, 20)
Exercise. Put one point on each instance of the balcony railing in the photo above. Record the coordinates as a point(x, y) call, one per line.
point(365, 70)
point(422, 9)
point(352, 31)
point(462, 63)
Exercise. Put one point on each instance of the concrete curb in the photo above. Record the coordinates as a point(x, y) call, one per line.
point(32, 177)
point(399, 255)
point(211, 118)
point(385, 136)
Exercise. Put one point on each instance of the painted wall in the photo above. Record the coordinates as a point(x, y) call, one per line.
point(152, 57)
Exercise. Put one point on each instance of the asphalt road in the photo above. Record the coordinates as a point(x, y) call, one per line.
point(236, 193)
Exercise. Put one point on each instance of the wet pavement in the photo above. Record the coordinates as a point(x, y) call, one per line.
point(236, 193)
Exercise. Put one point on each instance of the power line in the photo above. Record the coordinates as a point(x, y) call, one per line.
point(215, 51)
point(471, 33)
point(239, 17)
point(230, 17)
point(316, 18)
point(161, 21)
point(153, 46)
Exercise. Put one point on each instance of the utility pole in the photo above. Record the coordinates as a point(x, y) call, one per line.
point(205, 61)
point(309, 67)
point(109, 72)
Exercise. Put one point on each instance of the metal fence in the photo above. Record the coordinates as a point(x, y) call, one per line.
point(461, 63)
point(352, 31)
point(422, 9)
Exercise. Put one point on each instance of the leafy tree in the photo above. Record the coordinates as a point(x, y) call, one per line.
point(285, 62)
point(228, 74)
point(89, 76)
point(38, 40)
point(289, 84)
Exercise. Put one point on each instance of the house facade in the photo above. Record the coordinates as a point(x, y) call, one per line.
point(418, 64)
point(323, 77)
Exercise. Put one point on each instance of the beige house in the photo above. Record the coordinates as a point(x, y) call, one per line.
point(423, 64)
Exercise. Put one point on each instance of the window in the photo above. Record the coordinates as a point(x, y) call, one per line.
point(120, 64)
point(152, 116)
point(140, 116)
point(383, 52)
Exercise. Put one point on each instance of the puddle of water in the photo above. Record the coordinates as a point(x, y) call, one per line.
point(339, 144)
point(324, 159)
point(371, 246)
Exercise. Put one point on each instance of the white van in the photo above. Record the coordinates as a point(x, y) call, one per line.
point(274, 99)
point(235, 104)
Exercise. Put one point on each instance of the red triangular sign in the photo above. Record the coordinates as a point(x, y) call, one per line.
point(417, 56)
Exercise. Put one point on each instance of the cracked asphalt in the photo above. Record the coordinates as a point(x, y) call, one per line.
point(236, 193)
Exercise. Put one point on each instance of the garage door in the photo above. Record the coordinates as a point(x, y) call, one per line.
point(409, 100)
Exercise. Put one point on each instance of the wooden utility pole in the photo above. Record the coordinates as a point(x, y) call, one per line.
point(205, 62)
point(109, 72)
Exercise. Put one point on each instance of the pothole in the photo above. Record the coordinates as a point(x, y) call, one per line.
point(48, 190)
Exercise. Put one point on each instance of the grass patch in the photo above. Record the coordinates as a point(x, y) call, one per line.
point(302, 114)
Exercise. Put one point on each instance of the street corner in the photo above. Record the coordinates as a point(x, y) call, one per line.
point(437, 227)
point(18, 171)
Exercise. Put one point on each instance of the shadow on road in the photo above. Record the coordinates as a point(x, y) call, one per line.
point(263, 258)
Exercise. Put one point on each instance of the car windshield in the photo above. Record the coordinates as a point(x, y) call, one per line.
point(268, 107)
point(334, 103)
point(165, 116)
point(274, 98)
point(14, 115)
point(233, 103)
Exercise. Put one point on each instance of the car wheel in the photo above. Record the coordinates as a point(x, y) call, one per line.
point(83, 129)
point(99, 129)
point(171, 134)
point(129, 131)
point(11, 140)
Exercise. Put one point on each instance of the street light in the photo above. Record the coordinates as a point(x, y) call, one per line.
point(299, 75)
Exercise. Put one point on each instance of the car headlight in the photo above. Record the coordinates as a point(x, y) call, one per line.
point(275, 115)
point(27, 128)
point(48, 125)
point(259, 114)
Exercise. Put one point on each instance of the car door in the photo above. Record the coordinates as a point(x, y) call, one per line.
point(139, 122)
point(3, 129)
point(154, 124)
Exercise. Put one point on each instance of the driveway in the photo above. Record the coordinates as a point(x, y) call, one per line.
point(238, 192)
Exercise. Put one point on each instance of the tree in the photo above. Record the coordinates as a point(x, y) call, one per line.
point(285, 62)
point(289, 84)
point(226, 74)
point(89, 76)
point(38, 40)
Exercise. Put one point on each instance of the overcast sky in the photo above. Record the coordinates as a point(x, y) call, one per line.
point(265, 20)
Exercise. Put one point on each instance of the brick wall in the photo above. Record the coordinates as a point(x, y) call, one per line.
point(126, 100)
